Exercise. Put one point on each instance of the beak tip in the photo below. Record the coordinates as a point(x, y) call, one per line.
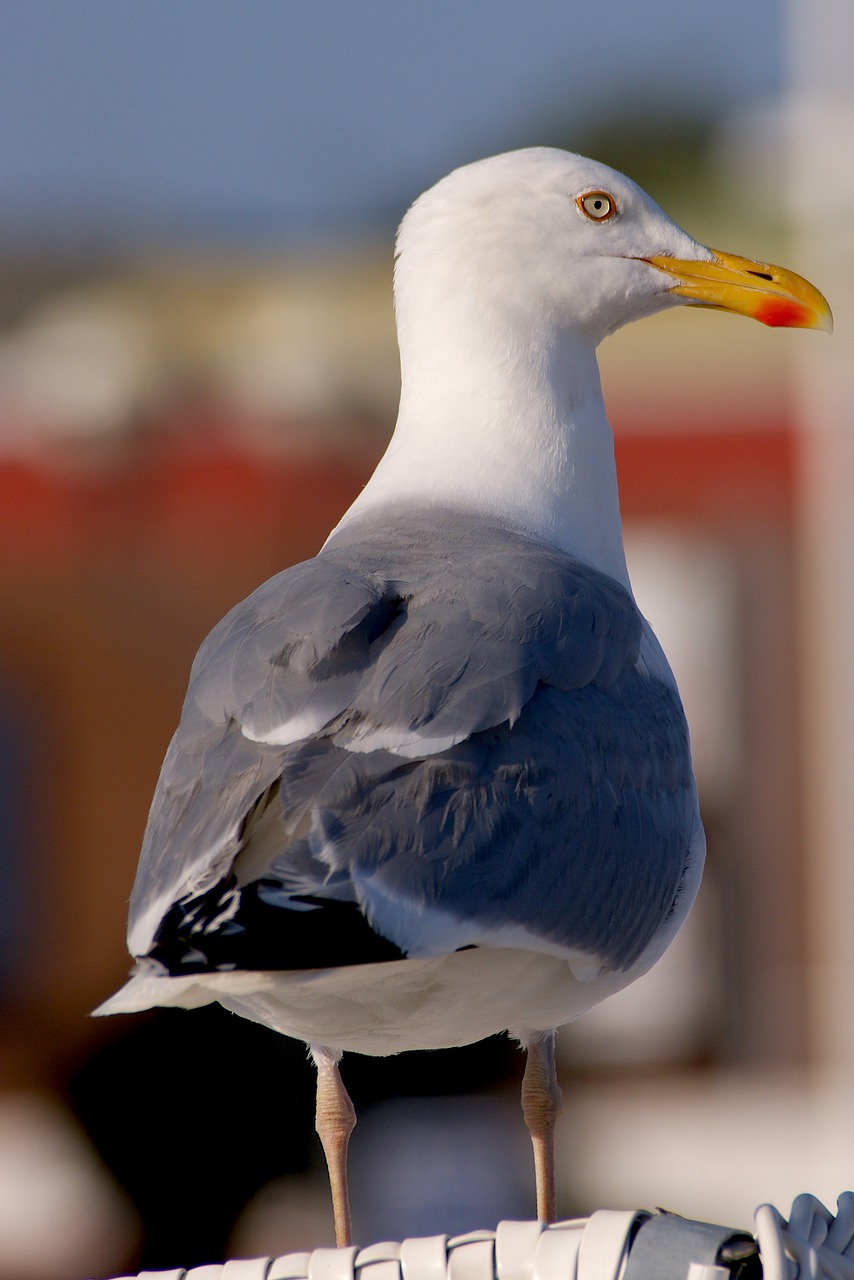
point(788, 313)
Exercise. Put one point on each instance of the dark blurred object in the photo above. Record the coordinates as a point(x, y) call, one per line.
point(16, 765)
point(195, 1111)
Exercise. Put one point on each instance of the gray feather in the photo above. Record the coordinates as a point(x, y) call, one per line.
point(564, 807)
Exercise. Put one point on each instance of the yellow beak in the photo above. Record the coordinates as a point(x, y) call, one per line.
point(769, 294)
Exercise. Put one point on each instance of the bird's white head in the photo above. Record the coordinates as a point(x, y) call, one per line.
point(509, 273)
point(545, 234)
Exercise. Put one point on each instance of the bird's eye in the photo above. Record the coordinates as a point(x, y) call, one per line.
point(598, 206)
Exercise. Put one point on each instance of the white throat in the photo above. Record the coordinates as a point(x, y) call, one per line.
point(502, 413)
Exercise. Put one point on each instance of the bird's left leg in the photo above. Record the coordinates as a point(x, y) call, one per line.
point(335, 1120)
point(541, 1100)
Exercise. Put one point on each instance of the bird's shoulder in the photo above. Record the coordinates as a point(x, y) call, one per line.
point(435, 627)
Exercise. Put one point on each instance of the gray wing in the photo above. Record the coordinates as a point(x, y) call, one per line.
point(426, 736)
point(292, 649)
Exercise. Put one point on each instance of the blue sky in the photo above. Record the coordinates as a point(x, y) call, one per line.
point(247, 118)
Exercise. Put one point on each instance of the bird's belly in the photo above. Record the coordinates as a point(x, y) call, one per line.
point(392, 1006)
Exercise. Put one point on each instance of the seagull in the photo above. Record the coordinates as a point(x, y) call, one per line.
point(435, 783)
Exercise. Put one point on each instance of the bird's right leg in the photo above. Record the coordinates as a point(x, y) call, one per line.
point(541, 1100)
point(335, 1120)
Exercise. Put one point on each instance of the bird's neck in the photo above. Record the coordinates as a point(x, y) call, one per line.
point(507, 420)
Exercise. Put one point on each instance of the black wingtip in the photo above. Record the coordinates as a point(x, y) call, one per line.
point(229, 928)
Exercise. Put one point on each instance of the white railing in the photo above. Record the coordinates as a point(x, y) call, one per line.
point(812, 1244)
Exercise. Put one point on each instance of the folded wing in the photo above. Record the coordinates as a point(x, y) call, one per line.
point(408, 745)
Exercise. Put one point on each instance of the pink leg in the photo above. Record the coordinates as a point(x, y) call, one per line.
point(541, 1100)
point(335, 1120)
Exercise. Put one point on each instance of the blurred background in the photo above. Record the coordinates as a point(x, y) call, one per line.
point(197, 372)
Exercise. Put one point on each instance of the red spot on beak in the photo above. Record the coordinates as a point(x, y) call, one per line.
point(781, 313)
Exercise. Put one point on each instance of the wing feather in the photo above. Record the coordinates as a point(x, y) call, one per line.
point(429, 717)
